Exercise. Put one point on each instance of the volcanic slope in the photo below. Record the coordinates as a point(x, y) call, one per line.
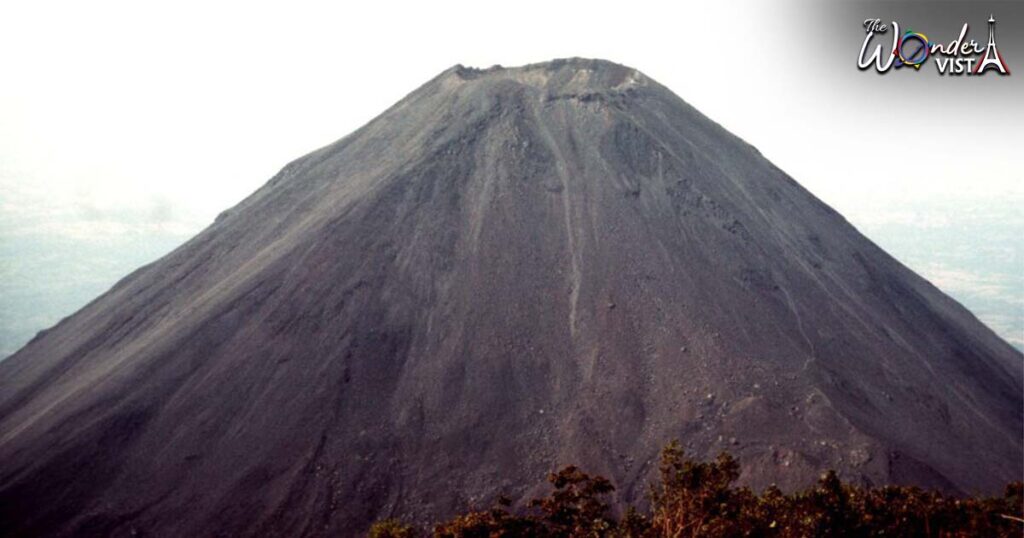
point(508, 270)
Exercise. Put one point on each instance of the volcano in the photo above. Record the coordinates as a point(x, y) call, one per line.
point(509, 270)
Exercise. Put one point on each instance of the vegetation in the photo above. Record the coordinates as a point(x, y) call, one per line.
point(695, 499)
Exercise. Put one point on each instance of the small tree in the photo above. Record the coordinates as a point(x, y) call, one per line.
point(695, 498)
point(497, 522)
point(575, 508)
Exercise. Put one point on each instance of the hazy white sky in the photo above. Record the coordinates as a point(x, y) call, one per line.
point(177, 110)
point(150, 118)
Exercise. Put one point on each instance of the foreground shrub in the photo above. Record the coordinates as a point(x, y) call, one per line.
point(693, 498)
point(574, 508)
point(391, 528)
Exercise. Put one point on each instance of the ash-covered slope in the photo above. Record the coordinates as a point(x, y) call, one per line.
point(509, 270)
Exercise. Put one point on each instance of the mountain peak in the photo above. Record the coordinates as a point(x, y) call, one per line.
point(560, 77)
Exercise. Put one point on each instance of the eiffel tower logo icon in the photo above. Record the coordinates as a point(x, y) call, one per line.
point(992, 57)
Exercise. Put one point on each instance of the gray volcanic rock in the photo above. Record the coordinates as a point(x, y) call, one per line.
point(509, 270)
